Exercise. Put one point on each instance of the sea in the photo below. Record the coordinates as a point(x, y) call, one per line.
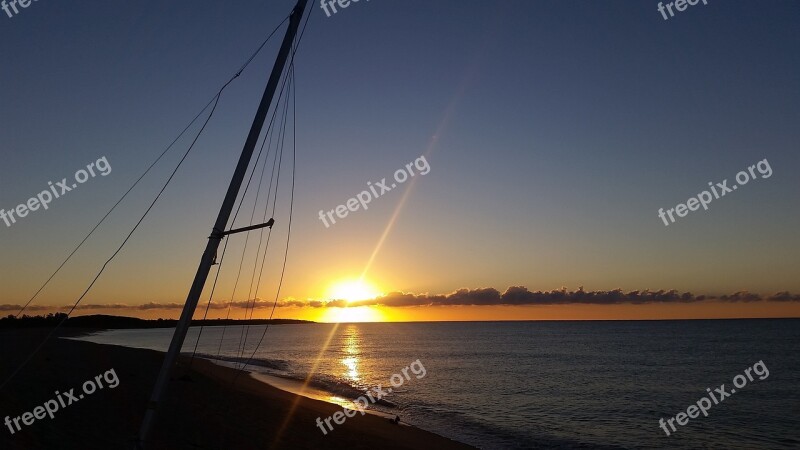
point(530, 385)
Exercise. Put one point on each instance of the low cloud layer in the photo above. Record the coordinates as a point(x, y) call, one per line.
point(520, 295)
point(513, 296)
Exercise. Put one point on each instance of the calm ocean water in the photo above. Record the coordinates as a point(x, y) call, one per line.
point(541, 384)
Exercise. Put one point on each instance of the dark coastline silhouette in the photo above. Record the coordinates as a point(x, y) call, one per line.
point(120, 322)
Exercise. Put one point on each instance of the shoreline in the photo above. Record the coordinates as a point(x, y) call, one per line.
point(201, 411)
point(287, 384)
point(295, 387)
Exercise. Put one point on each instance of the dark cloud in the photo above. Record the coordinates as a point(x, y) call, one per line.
point(400, 299)
point(742, 296)
point(520, 295)
point(145, 306)
point(264, 304)
point(784, 296)
point(486, 296)
point(16, 308)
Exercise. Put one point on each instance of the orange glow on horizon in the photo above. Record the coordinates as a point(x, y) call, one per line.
point(702, 310)
point(656, 311)
point(357, 314)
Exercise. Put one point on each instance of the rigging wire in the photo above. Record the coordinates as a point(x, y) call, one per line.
point(238, 209)
point(290, 74)
point(127, 238)
point(288, 233)
point(215, 101)
point(113, 208)
point(253, 214)
point(279, 164)
point(291, 211)
point(75, 250)
point(225, 248)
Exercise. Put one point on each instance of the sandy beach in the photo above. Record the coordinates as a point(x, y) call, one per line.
point(203, 410)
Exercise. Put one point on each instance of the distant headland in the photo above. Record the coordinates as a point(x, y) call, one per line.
point(116, 322)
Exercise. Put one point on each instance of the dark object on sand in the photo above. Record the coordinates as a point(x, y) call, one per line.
point(396, 420)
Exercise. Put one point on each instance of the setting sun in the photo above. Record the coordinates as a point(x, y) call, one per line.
point(352, 290)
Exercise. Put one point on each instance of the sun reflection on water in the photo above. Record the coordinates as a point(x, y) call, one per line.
point(352, 349)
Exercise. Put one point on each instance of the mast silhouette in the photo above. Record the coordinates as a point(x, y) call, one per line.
point(217, 233)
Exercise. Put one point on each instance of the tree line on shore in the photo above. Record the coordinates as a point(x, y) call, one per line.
point(104, 321)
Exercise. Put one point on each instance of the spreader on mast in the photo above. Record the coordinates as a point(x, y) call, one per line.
point(208, 258)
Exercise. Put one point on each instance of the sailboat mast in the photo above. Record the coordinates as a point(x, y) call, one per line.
point(207, 260)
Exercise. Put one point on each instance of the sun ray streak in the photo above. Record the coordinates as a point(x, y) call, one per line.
point(314, 367)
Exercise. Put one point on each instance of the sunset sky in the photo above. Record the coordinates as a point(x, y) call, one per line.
point(554, 132)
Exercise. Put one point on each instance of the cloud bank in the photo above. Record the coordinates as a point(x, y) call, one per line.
point(520, 295)
point(513, 296)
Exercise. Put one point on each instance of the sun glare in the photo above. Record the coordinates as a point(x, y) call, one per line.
point(352, 290)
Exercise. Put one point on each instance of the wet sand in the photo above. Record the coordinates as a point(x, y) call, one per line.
point(203, 409)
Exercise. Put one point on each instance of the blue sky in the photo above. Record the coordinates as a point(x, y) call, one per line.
point(555, 130)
